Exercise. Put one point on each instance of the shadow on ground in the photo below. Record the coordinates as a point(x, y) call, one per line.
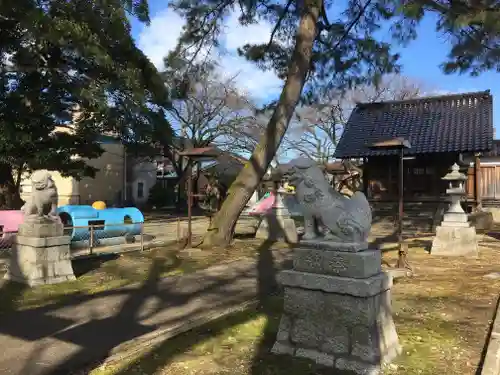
point(84, 266)
point(95, 338)
point(262, 361)
point(93, 325)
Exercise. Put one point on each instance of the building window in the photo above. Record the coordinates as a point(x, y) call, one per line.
point(140, 190)
point(421, 171)
point(418, 171)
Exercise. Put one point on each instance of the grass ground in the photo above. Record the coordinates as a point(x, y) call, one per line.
point(108, 272)
point(442, 316)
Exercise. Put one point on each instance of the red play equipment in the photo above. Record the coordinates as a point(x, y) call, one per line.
point(263, 205)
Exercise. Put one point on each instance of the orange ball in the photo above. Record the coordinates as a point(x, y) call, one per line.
point(99, 205)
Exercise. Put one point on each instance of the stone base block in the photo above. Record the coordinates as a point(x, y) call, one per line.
point(321, 243)
point(337, 308)
point(341, 331)
point(455, 241)
point(277, 228)
point(460, 217)
point(365, 287)
point(337, 263)
point(41, 227)
point(455, 224)
point(37, 261)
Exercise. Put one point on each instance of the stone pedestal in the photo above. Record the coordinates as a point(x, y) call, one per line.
point(40, 254)
point(455, 236)
point(278, 224)
point(455, 240)
point(337, 308)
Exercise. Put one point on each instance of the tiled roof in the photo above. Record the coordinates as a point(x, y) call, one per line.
point(450, 123)
point(200, 152)
point(185, 144)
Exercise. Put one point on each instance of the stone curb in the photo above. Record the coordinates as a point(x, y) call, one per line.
point(156, 338)
point(491, 364)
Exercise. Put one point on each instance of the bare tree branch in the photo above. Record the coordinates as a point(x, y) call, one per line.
point(316, 129)
point(212, 113)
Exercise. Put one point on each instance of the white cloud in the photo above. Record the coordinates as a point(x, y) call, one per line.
point(162, 34)
point(248, 78)
point(237, 35)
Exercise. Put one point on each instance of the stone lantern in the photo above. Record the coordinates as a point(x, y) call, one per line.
point(277, 223)
point(279, 204)
point(456, 192)
point(455, 235)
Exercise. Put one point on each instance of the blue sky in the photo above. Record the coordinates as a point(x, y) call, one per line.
point(420, 60)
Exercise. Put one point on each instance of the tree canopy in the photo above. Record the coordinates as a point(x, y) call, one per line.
point(473, 28)
point(345, 50)
point(70, 72)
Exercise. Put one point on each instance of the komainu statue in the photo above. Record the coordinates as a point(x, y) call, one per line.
point(343, 219)
point(42, 202)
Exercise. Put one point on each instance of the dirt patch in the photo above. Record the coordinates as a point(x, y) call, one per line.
point(442, 316)
point(443, 313)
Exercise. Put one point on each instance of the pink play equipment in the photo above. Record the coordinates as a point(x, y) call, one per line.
point(263, 205)
point(9, 223)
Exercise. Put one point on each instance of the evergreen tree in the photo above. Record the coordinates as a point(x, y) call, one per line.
point(473, 29)
point(70, 72)
point(319, 46)
point(309, 49)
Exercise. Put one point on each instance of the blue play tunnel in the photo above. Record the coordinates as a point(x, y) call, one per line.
point(107, 223)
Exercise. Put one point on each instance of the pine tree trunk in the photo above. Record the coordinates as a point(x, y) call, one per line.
point(9, 193)
point(221, 229)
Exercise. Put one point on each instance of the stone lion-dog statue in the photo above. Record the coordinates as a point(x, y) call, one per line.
point(42, 202)
point(343, 219)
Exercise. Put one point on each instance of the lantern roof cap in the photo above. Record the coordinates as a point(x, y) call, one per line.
point(455, 174)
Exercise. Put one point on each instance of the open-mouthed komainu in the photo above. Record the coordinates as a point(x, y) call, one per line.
point(43, 199)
